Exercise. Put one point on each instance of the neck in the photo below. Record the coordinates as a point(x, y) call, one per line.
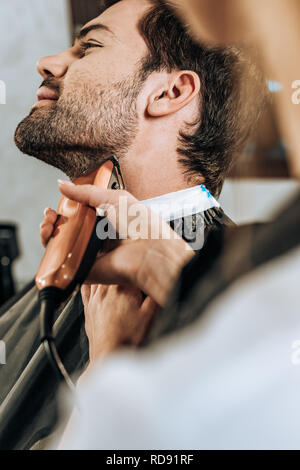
point(151, 167)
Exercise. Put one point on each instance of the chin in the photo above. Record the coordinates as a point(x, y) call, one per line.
point(71, 161)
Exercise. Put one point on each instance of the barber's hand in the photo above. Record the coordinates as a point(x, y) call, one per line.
point(115, 316)
point(47, 226)
point(151, 265)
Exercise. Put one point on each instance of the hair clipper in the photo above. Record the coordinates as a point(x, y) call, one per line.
point(73, 247)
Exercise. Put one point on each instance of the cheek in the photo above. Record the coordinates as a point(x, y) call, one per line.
point(82, 76)
point(94, 70)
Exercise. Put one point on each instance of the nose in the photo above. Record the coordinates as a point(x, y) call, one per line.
point(55, 65)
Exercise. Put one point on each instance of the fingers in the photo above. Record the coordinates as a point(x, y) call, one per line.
point(46, 227)
point(149, 308)
point(50, 215)
point(108, 270)
point(88, 291)
point(130, 218)
point(108, 202)
point(120, 266)
point(45, 233)
point(92, 195)
point(147, 312)
point(85, 294)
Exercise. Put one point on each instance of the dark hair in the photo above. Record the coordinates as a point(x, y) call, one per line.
point(229, 108)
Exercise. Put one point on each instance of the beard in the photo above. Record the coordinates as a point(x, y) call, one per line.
point(84, 127)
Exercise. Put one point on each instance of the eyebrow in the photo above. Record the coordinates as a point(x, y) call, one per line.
point(94, 27)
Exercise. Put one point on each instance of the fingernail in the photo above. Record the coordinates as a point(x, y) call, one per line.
point(101, 210)
point(68, 183)
point(46, 210)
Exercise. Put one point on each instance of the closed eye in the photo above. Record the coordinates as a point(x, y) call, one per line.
point(84, 46)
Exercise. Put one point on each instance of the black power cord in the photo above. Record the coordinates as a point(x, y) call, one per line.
point(49, 302)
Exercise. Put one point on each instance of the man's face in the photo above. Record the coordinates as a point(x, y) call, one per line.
point(87, 103)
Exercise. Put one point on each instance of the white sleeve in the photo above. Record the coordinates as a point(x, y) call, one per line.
point(230, 381)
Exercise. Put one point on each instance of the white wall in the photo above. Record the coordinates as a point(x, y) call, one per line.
point(29, 29)
point(256, 200)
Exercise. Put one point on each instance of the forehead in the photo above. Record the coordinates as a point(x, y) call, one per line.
point(123, 19)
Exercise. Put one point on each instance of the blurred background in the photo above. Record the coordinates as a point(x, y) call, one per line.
point(256, 189)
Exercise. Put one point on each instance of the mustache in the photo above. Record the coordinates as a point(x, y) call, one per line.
point(54, 84)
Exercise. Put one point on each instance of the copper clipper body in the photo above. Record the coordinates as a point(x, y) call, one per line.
point(73, 247)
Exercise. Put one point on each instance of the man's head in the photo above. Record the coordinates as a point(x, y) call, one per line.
point(135, 79)
point(94, 115)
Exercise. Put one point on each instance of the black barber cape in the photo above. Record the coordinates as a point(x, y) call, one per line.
point(28, 385)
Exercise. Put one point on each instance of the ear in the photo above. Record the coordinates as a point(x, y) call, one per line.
point(181, 89)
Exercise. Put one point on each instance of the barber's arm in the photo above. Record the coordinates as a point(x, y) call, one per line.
point(151, 265)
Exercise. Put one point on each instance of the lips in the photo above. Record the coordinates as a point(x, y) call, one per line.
point(45, 93)
point(46, 96)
